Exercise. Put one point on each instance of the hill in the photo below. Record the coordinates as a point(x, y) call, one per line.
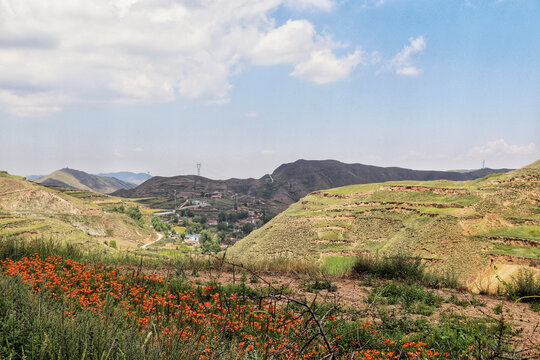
point(76, 179)
point(29, 210)
point(127, 176)
point(290, 182)
point(452, 225)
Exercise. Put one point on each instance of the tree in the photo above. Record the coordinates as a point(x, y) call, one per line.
point(247, 228)
point(208, 243)
point(222, 216)
point(222, 225)
point(134, 213)
point(159, 225)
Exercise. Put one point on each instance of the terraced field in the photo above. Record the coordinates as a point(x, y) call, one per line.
point(466, 227)
point(28, 210)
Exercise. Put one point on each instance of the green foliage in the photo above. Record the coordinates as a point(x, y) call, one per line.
point(201, 219)
point(209, 243)
point(192, 227)
point(160, 225)
point(247, 228)
point(317, 285)
point(406, 295)
point(112, 244)
point(525, 286)
point(391, 267)
point(338, 265)
point(222, 225)
point(120, 209)
point(134, 212)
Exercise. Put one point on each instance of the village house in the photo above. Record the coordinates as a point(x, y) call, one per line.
point(192, 239)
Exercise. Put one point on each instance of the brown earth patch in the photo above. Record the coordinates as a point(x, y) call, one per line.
point(426, 188)
point(435, 205)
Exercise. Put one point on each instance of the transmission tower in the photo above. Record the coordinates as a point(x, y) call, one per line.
point(199, 168)
point(483, 164)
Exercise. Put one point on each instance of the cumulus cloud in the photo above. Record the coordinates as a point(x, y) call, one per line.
point(402, 62)
point(324, 67)
point(57, 53)
point(326, 5)
point(297, 42)
point(501, 147)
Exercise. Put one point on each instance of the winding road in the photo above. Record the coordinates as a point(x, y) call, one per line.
point(160, 236)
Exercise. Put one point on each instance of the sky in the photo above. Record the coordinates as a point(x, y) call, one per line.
point(242, 86)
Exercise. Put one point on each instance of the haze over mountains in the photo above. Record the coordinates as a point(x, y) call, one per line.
point(127, 176)
point(292, 181)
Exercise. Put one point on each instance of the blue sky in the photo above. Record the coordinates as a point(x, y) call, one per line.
point(243, 86)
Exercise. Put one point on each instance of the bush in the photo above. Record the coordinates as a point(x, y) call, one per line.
point(321, 285)
point(525, 286)
point(134, 213)
point(391, 267)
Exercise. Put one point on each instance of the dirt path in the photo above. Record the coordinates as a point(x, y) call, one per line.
point(160, 236)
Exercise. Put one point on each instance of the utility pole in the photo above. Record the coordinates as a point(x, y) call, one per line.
point(199, 168)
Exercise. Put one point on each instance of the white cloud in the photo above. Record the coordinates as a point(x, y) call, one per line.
point(251, 114)
point(501, 147)
point(58, 53)
point(324, 67)
point(297, 42)
point(373, 3)
point(268, 152)
point(402, 62)
point(325, 5)
point(285, 44)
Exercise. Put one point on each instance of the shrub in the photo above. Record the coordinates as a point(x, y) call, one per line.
point(321, 285)
point(525, 286)
point(391, 267)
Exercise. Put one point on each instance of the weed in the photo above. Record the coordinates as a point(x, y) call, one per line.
point(317, 285)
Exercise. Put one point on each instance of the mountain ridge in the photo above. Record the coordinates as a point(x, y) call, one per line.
point(77, 179)
point(291, 181)
point(457, 226)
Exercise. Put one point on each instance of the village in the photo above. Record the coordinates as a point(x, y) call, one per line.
point(215, 215)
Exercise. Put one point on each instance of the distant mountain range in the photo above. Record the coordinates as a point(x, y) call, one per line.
point(292, 181)
point(127, 176)
point(77, 179)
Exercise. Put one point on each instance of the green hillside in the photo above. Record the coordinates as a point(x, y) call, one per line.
point(457, 225)
point(29, 210)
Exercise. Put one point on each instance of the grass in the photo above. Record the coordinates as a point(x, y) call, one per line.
point(525, 286)
point(403, 268)
point(392, 267)
point(516, 250)
point(338, 265)
point(412, 297)
point(531, 232)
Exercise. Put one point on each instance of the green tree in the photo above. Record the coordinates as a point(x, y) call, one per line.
point(222, 216)
point(247, 228)
point(134, 213)
point(208, 243)
point(222, 225)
